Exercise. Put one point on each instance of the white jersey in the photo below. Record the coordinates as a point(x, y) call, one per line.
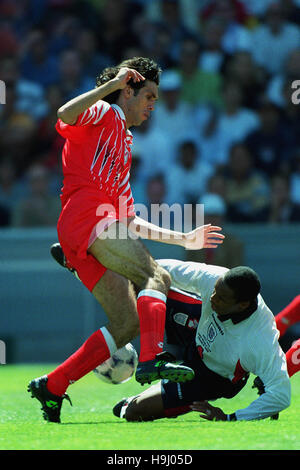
point(231, 349)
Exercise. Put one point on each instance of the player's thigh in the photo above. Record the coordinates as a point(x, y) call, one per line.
point(147, 406)
point(117, 296)
point(128, 257)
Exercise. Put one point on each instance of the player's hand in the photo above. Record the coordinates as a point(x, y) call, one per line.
point(209, 412)
point(125, 74)
point(206, 236)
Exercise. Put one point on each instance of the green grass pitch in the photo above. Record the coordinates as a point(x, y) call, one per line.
point(90, 424)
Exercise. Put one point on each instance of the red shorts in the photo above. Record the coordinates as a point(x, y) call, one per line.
point(84, 216)
point(89, 270)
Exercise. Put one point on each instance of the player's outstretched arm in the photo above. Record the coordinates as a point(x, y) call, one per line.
point(70, 111)
point(206, 236)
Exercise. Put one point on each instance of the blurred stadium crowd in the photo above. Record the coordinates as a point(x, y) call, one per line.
point(225, 130)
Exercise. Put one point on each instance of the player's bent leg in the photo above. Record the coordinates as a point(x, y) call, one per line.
point(151, 405)
point(123, 326)
point(124, 322)
point(104, 291)
point(130, 258)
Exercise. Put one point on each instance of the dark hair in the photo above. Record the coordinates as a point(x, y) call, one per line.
point(145, 66)
point(244, 282)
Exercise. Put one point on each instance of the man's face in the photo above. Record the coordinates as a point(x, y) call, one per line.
point(223, 300)
point(139, 106)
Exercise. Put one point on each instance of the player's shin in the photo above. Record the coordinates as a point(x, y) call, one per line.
point(151, 306)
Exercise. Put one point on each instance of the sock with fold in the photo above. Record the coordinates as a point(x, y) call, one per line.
point(151, 307)
point(293, 358)
point(95, 350)
point(288, 316)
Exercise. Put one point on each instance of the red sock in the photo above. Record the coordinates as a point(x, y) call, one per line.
point(288, 316)
point(151, 307)
point(293, 358)
point(96, 349)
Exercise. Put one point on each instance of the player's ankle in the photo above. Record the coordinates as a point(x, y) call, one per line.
point(57, 383)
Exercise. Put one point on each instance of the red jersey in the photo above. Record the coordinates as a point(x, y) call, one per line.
point(97, 156)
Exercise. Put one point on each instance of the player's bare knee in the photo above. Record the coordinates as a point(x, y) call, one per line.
point(160, 280)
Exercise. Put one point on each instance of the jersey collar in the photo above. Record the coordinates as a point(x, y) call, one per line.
point(121, 114)
point(238, 317)
point(119, 111)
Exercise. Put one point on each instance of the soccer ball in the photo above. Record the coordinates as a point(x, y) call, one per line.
point(120, 367)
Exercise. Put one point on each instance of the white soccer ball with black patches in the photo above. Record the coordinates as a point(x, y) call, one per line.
point(120, 367)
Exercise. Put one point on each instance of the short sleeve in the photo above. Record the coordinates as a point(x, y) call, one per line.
point(94, 114)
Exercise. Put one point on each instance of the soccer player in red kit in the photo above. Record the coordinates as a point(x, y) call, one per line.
point(285, 319)
point(94, 230)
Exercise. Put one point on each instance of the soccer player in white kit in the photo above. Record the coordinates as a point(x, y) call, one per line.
point(236, 335)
